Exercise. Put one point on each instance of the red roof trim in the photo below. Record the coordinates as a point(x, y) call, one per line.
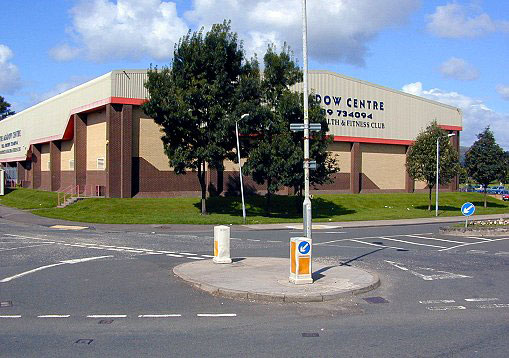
point(15, 159)
point(373, 140)
point(451, 128)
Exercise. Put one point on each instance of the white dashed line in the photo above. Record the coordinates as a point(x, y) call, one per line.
point(54, 316)
point(477, 251)
point(502, 253)
point(273, 241)
point(252, 240)
point(158, 315)
point(196, 258)
point(480, 299)
point(187, 254)
point(429, 302)
point(495, 305)
point(10, 316)
point(216, 315)
point(479, 238)
point(107, 316)
point(446, 308)
point(208, 256)
point(174, 255)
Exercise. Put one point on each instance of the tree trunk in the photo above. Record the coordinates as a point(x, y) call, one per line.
point(203, 185)
point(268, 197)
point(429, 204)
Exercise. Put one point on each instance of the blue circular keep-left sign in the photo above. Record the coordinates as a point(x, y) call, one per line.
point(467, 209)
point(304, 247)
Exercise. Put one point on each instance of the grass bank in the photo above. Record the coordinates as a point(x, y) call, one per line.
point(228, 210)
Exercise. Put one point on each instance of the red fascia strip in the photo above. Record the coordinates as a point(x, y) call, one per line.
point(372, 140)
point(451, 128)
point(69, 130)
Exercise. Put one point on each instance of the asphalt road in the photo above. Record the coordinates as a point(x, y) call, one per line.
point(93, 292)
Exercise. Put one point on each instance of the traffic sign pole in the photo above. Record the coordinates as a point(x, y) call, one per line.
point(467, 210)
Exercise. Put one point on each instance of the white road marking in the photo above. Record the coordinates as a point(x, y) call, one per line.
point(74, 261)
point(479, 238)
point(477, 251)
point(372, 244)
point(368, 237)
point(66, 227)
point(208, 256)
point(395, 264)
point(158, 315)
point(331, 232)
point(234, 238)
point(187, 253)
point(196, 258)
point(274, 241)
point(174, 255)
point(495, 305)
point(54, 316)
point(441, 275)
point(446, 308)
point(10, 316)
point(216, 314)
point(434, 238)
point(480, 299)
point(107, 316)
point(429, 302)
point(502, 253)
point(412, 243)
point(25, 247)
point(252, 240)
point(473, 243)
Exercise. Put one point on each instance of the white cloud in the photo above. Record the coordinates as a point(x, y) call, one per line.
point(459, 69)
point(64, 52)
point(338, 31)
point(455, 21)
point(9, 74)
point(476, 115)
point(503, 91)
point(107, 29)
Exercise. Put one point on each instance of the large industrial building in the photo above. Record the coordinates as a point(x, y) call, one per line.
point(96, 136)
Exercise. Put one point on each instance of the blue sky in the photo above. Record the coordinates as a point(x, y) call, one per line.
point(450, 51)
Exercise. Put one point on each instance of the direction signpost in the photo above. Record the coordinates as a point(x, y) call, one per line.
point(467, 210)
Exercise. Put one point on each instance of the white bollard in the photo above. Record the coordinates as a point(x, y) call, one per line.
point(300, 260)
point(2, 181)
point(222, 245)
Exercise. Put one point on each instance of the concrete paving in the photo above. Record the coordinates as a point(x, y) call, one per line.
point(266, 279)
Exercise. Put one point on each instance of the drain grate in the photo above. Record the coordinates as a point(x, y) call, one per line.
point(310, 335)
point(84, 341)
point(6, 304)
point(106, 321)
point(375, 300)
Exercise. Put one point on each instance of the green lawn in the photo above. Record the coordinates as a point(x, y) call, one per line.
point(28, 199)
point(227, 210)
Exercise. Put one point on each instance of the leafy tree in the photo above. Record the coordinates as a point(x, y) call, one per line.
point(421, 161)
point(485, 160)
point(275, 155)
point(194, 101)
point(5, 109)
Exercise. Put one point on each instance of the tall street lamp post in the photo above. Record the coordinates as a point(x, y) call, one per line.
point(438, 171)
point(306, 207)
point(240, 166)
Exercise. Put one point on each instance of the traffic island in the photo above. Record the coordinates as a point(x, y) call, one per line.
point(266, 279)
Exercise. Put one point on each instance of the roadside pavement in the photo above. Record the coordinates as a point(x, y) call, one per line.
point(23, 216)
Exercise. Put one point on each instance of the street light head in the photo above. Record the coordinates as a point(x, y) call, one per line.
point(244, 115)
point(451, 134)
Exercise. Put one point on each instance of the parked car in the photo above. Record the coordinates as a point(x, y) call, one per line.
point(505, 195)
point(498, 189)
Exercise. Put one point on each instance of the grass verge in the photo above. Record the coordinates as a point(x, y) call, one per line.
point(228, 210)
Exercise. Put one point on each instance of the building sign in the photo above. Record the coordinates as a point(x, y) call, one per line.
point(9, 142)
point(351, 112)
